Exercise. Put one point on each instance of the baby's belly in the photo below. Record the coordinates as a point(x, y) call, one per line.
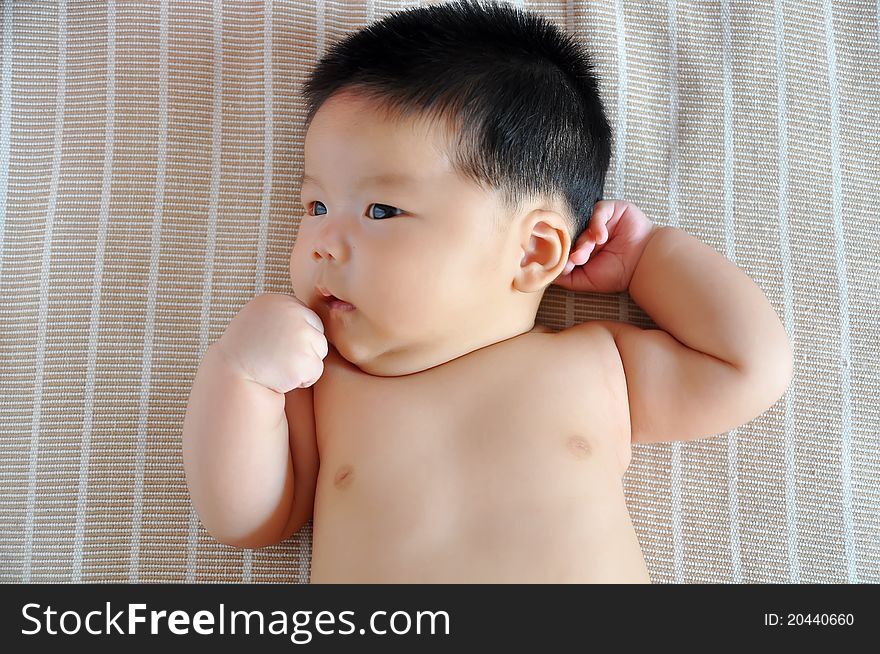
point(378, 520)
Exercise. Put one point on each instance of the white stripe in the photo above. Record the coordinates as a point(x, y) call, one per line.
point(216, 136)
point(730, 253)
point(268, 134)
point(89, 392)
point(268, 151)
point(43, 310)
point(211, 245)
point(247, 563)
point(5, 121)
point(152, 285)
point(843, 293)
point(95, 311)
point(794, 568)
point(619, 140)
point(677, 543)
point(192, 535)
point(622, 91)
point(569, 295)
point(321, 28)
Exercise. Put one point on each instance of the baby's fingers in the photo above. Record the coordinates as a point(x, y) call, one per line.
point(599, 231)
point(319, 344)
point(603, 213)
point(582, 248)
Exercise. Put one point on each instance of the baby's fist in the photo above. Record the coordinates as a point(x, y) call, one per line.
point(277, 341)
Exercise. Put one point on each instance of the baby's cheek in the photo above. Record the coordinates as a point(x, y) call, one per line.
point(408, 315)
point(409, 311)
point(298, 276)
point(413, 292)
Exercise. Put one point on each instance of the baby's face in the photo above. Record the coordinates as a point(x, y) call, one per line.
point(416, 253)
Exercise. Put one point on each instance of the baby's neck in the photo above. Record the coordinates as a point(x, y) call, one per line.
point(408, 361)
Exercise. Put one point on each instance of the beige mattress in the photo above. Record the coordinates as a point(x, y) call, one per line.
point(149, 156)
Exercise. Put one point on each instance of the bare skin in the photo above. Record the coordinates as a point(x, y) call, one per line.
point(433, 432)
point(455, 441)
point(462, 473)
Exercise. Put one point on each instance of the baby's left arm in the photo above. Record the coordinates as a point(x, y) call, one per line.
point(721, 356)
point(728, 359)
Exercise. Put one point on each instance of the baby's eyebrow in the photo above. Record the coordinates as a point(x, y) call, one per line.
point(386, 179)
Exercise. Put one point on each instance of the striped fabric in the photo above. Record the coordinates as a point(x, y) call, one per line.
point(149, 153)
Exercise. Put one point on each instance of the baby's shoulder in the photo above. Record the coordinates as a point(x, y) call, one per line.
point(592, 340)
point(591, 348)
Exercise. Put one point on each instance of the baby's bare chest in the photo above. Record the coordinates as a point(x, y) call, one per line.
point(506, 467)
point(521, 419)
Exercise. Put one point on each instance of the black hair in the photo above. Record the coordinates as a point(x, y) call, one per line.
point(517, 96)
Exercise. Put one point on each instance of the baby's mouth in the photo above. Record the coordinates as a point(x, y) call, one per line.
point(334, 302)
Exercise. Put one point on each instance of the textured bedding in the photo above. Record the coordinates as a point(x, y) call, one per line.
point(149, 158)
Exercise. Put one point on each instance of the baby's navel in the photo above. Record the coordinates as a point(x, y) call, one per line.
point(579, 447)
point(343, 476)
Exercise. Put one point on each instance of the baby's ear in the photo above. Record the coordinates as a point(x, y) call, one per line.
point(543, 252)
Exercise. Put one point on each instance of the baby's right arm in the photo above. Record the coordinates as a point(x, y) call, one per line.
point(236, 455)
point(236, 441)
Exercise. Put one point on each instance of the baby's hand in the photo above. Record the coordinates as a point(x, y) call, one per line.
point(276, 341)
point(625, 231)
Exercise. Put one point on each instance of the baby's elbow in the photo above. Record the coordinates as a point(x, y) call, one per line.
point(250, 542)
point(254, 540)
point(770, 376)
point(782, 368)
point(787, 368)
point(264, 538)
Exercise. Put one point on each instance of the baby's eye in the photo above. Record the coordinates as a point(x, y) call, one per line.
point(384, 210)
point(316, 202)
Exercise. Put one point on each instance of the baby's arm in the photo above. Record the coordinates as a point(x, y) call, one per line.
point(721, 356)
point(236, 455)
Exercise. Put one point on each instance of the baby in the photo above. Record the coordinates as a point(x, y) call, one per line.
point(404, 397)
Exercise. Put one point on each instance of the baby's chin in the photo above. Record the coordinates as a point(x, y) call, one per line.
point(345, 342)
point(356, 356)
point(377, 359)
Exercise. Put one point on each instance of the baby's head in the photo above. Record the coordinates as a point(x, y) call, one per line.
point(453, 155)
